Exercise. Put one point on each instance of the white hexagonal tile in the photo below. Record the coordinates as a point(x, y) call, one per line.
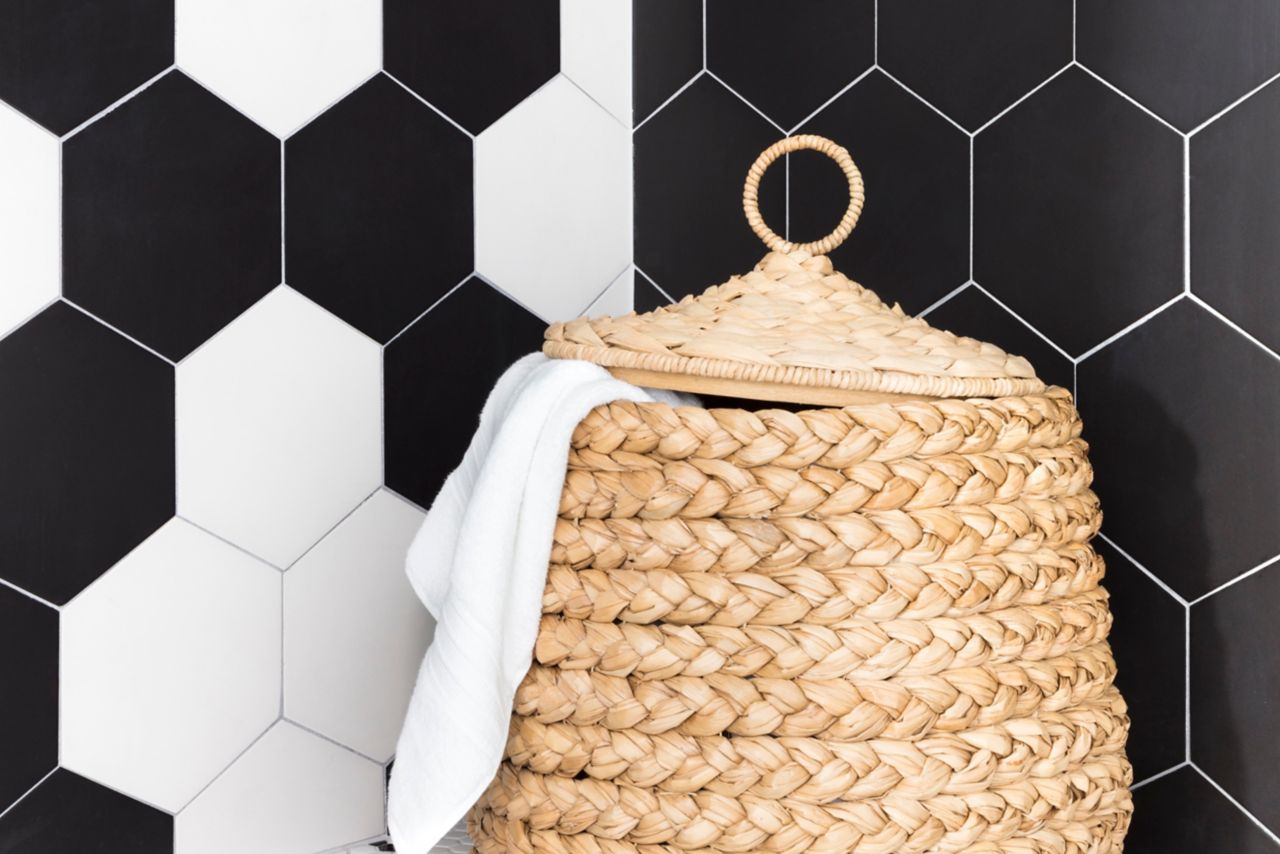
point(170, 665)
point(595, 51)
point(618, 298)
point(279, 61)
point(354, 631)
point(30, 224)
point(279, 426)
point(553, 200)
point(291, 793)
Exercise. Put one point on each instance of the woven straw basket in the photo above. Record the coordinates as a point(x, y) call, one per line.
point(874, 627)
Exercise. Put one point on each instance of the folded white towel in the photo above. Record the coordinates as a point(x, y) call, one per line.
point(479, 564)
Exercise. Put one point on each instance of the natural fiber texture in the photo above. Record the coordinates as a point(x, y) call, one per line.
point(870, 629)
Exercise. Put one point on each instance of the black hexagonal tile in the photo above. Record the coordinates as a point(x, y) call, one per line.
point(29, 676)
point(973, 58)
point(1235, 215)
point(68, 814)
point(973, 313)
point(1183, 59)
point(666, 50)
point(438, 374)
point(171, 215)
point(690, 162)
point(911, 245)
point(474, 60)
point(1148, 638)
point(61, 61)
point(95, 474)
point(1235, 691)
point(365, 183)
point(1078, 211)
point(1184, 814)
point(645, 296)
point(1183, 420)
point(788, 62)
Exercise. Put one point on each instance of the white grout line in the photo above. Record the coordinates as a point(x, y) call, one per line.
point(1241, 577)
point(220, 538)
point(1186, 693)
point(1126, 330)
point(119, 332)
point(738, 95)
point(591, 98)
point(441, 113)
point(280, 710)
point(1195, 298)
point(1148, 573)
point(227, 767)
point(832, 99)
point(1075, 29)
point(946, 298)
point(116, 104)
point(704, 35)
point(1075, 383)
point(415, 505)
point(482, 277)
point(1045, 338)
point(875, 33)
point(972, 192)
point(4, 333)
point(674, 95)
point(221, 331)
point(283, 272)
point(23, 796)
point(1212, 782)
point(1043, 83)
point(28, 594)
point(332, 741)
point(1237, 102)
point(1165, 773)
point(332, 528)
point(599, 296)
point(656, 286)
point(964, 130)
point(1186, 214)
point(428, 309)
point(1126, 96)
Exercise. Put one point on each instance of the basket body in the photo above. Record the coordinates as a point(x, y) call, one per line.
point(870, 629)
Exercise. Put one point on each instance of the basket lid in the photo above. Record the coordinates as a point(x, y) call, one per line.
point(793, 329)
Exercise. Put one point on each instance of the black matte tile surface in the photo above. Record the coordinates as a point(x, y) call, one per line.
point(438, 374)
point(474, 60)
point(1184, 449)
point(1148, 638)
point(95, 473)
point(1184, 814)
point(666, 43)
point(788, 61)
point(68, 814)
point(1182, 59)
point(378, 194)
point(29, 681)
point(61, 61)
point(1235, 701)
point(973, 58)
point(976, 315)
point(690, 162)
point(1235, 215)
point(1078, 211)
point(911, 245)
point(646, 297)
point(171, 215)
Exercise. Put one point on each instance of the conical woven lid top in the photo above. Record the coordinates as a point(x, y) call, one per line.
point(794, 329)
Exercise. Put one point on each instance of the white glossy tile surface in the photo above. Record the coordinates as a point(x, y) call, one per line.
point(595, 51)
point(355, 631)
point(291, 793)
point(279, 427)
point(170, 665)
point(30, 224)
point(618, 298)
point(279, 61)
point(553, 201)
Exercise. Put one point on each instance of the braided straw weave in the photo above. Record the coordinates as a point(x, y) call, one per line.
point(873, 629)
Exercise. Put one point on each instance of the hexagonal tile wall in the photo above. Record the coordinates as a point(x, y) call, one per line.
point(30, 229)
point(331, 653)
point(666, 37)
point(29, 671)
point(378, 191)
point(595, 51)
point(67, 814)
point(170, 666)
point(171, 215)
point(1184, 812)
point(278, 427)
point(277, 62)
point(541, 191)
point(292, 792)
point(100, 407)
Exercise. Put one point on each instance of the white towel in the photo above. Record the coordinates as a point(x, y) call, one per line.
point(479, 564)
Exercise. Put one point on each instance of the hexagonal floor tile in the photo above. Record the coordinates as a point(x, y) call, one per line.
point(98, 409)
point(1184, 814)
point(1179, 63)
point(29, 671)
point(1235, 258)
point(595, 51)
point(554, 171)
point(170, 666)
point(973, 58)
point(690, 162)
point(30, 220)
point(1234, 637)
point(1185, 451)
point(789, 64)
point(61, 61)
point(911, 244)
point(347, 675)
point(291, 793)
point(68, 814)
point(1077, 211)
point(277, 63)
point(1149, 642)
point(474, 60)
point(171, 215)
point(365, 184)
point(433, 397)
point(666, 46)
point(278, 427)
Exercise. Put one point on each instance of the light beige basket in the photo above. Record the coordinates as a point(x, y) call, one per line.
point(875, 628)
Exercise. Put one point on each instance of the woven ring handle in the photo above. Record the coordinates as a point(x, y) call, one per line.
point(751, 194)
